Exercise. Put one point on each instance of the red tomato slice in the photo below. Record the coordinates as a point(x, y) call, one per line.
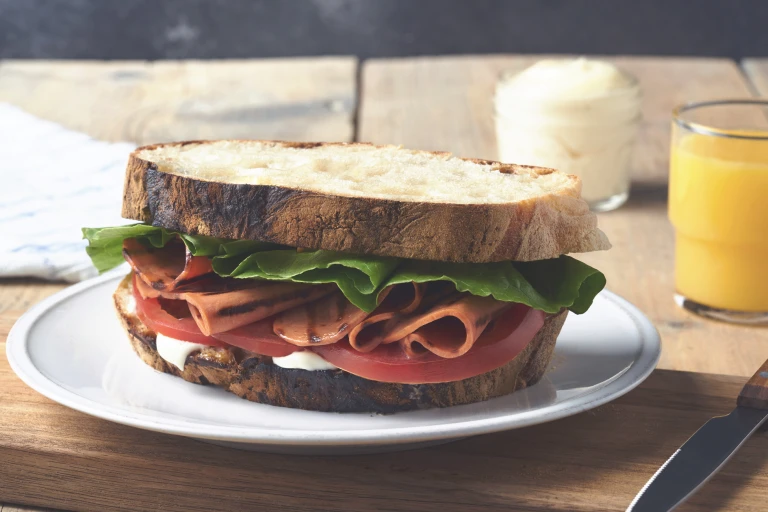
point(257, 337)
point(159, 320)
point(498, 345)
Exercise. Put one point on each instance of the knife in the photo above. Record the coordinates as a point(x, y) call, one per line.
point(706, 451)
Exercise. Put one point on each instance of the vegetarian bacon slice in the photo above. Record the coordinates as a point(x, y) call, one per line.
point(217, 312)
point(147, 292)
point(406, 300)
point(447, 329)
point(169, 269)
point(321, 322)
point(397, 299)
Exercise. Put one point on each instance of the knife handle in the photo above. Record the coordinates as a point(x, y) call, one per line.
point(755, 392)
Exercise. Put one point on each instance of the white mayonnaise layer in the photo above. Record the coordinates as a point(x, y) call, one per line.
point(303, 360)
point(130, 304)
point(175, 351)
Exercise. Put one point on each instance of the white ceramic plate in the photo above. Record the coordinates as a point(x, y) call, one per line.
point(72, 349)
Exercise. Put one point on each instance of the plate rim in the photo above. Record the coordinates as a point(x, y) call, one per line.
point(21, 363)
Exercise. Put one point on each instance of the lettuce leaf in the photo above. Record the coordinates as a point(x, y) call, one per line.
point(548, 285)
point(357, 276)
point(105, 245)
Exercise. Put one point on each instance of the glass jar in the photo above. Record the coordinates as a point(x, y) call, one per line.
point(577, 116)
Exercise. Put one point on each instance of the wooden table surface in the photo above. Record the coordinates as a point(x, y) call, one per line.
point(440, 103)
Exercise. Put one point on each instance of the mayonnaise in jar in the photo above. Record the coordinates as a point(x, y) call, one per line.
point(579, 116)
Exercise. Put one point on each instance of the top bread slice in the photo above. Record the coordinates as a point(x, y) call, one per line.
point(361, 198)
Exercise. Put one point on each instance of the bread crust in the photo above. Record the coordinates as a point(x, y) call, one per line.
point(535, 229)
point(257, 379)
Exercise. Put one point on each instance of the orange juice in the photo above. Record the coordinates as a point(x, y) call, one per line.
point(718, 204)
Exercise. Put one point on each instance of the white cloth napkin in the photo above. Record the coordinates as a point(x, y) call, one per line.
point(53, 181)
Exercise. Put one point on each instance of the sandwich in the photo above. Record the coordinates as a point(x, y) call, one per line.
point(347, 277)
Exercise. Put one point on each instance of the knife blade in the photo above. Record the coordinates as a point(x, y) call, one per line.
point(706, 451)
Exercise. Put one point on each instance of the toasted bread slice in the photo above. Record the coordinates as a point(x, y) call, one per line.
point(257, 379)
point(361, 198)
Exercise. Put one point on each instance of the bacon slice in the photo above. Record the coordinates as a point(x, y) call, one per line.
point(147, 292)
point(321, 322)
point(405, 300)
point(398, 299)
point(217, 312)
point(447, 329)
point(171, 268)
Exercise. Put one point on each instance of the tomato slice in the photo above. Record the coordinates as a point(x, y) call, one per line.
point(498, 345)
point(256, 337)
point(151, 312)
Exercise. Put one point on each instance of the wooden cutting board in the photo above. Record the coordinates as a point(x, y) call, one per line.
point(51, 456)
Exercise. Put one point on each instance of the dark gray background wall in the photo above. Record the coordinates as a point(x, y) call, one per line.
point(156, 29)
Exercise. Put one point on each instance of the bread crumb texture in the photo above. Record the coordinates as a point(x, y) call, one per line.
point(361, 170)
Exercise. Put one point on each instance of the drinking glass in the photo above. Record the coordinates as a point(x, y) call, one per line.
point(718, 205)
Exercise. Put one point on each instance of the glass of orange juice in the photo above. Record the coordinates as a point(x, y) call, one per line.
point(718, 204)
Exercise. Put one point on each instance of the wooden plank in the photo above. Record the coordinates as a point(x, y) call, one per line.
point(445, 103)
point(595, 461)
point(14, 508)
point(757, 72)
point(145, 102)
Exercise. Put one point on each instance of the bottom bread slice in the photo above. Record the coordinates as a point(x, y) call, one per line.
point(256, 378)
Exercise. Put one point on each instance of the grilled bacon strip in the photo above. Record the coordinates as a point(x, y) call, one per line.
point(448, 329)
point(321, 322)
point(398, 299)
point(147, 292)
point(220, 312)
point(169, 269)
